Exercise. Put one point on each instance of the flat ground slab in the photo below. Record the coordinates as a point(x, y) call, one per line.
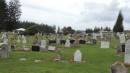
point(97, 60)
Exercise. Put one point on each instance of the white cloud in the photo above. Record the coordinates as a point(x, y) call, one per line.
point(80, 14)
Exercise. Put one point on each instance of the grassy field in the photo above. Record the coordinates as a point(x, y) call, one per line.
point(97, 60)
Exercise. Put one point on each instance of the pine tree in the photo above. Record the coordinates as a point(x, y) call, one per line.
point(118, 27)
point(3, 15)
point(14, 14)
point(58, 30)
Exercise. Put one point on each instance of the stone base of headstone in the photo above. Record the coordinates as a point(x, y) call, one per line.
point(82, 41)
point(26, 49)
point(123, 47)
point(94, 41)
point(72, 41)
point(35, 48)
point(51, 48)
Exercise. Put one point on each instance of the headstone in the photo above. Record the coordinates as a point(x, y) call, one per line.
point(82, 40)
point(35, 45)
point(119, 49)
point(5, 40)
point(24, 39)
point(24, 43)
point(4, 35)
point(104, 44)
point(101, 34)
point(122, 38)
point(51, 48)
point(58, 41)
point(76, 43)
point(122, 42)
point(4, 50)
point(72, 41)
point(18, 39)
point(43, 44)
point(118, 34)
point(127, 52)
point(118, 68)
point(35, 48)
point(67, 44)
point(52, 42)
point(77, 56)
point(94, 38)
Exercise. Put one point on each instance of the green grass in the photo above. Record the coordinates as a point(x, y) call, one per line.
point(97, 60)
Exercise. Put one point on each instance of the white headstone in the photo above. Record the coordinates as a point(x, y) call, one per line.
point(101, 34)
point(118, 34)
point(127, 52)
point(18, 39)
point(77, 56)
point(94, 36)
point(122, 38)
point(24, 39)
point(67, 43)
point(51, 48)
point(58, 41)
point(5, 41)
point(105, 44)
point(4, 35)
point(43, 44)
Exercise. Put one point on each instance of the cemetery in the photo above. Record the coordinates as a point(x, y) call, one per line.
point(64, 36)
point(38, 55)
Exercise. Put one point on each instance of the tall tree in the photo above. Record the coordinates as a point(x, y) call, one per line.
point(14, 14)
point(96, 29)
point(68, 30)
point(3, 15)
point(118, 27)
point(58, 30)
point(107, 29)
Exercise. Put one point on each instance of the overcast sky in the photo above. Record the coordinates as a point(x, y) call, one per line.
point(80, 14)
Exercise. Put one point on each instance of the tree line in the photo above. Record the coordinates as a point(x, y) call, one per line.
point(10, 14)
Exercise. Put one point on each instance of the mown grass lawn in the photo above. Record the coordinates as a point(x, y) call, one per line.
point(97, 60)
